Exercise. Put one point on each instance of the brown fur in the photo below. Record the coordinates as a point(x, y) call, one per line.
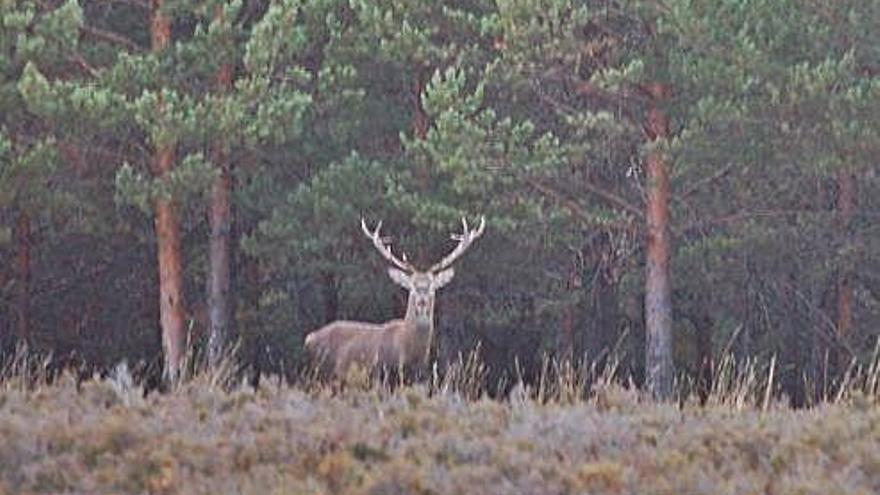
point(397, 344)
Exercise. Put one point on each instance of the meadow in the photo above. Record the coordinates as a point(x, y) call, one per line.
point(106, 435)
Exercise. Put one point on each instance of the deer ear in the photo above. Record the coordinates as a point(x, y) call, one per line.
point(443, 278)
point(401, 278)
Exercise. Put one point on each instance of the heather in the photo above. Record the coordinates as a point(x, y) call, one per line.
point(108, 436)
point(673, 179)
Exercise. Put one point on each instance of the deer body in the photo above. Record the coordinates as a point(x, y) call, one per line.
point(397, 344)
point(392, 345)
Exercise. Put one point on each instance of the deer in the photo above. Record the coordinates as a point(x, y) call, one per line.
point(399, 344)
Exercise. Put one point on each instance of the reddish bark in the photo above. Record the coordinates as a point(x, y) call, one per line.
point(220, 221)
point(658, 294)
point(167, 224)
point(160, 27)
point(171, 310)
point(22, 276)
point(420, 122)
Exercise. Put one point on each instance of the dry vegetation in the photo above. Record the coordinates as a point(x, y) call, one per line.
point(104, 436)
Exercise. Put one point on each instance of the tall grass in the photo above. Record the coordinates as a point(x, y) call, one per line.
point(735, 385)
point(23, 369)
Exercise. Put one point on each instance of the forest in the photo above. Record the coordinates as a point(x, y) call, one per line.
point(667, 185)
point(638, 243)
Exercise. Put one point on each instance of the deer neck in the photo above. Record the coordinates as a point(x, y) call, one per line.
point(419, 328)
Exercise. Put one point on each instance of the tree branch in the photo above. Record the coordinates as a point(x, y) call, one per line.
point(132, 3)
point(746, 215)
point(738, 217)
point(586, 89)
point(83, 64)
point(614, 199)
point(110, 37)
point(706, 180)
point(829, 335)
point(572, 206)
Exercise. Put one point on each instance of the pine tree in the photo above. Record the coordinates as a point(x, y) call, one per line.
point(29, 196)
point(158, 94)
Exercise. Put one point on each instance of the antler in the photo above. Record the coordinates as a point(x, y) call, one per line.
point(383, 245)
point(464, 241)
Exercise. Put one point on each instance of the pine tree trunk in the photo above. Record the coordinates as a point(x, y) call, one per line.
point(420, 124)
point(705, 356)
point(22, 276)
point(797, 372)
point(603, 307)
point(420, 120)
point(171, 311)
point(6, 318)
point(249, 284)
point(252, 281)
point(219, 265)
point(331, 296)
point(658, 295)
point(846, 194)
point(566, 340)
point(569, 316)
point(220, 221)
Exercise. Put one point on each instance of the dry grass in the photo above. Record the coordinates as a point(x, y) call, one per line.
point(443, 437)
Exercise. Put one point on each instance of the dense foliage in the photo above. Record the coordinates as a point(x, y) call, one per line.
point(535, 113)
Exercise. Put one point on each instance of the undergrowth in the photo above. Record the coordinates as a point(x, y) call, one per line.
point(577, 429)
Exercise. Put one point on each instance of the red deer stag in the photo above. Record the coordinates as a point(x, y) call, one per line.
point(396, 344)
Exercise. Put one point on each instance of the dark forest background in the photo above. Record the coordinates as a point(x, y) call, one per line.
point(698, 178)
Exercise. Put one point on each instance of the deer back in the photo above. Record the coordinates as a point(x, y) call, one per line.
point(340, 345)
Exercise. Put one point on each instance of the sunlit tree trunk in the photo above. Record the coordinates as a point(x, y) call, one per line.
point(167, 224)
point(658, 296)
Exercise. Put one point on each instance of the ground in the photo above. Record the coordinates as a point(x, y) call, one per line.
point(103, 436)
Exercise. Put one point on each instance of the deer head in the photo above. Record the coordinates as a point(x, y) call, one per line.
point(422, 285)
